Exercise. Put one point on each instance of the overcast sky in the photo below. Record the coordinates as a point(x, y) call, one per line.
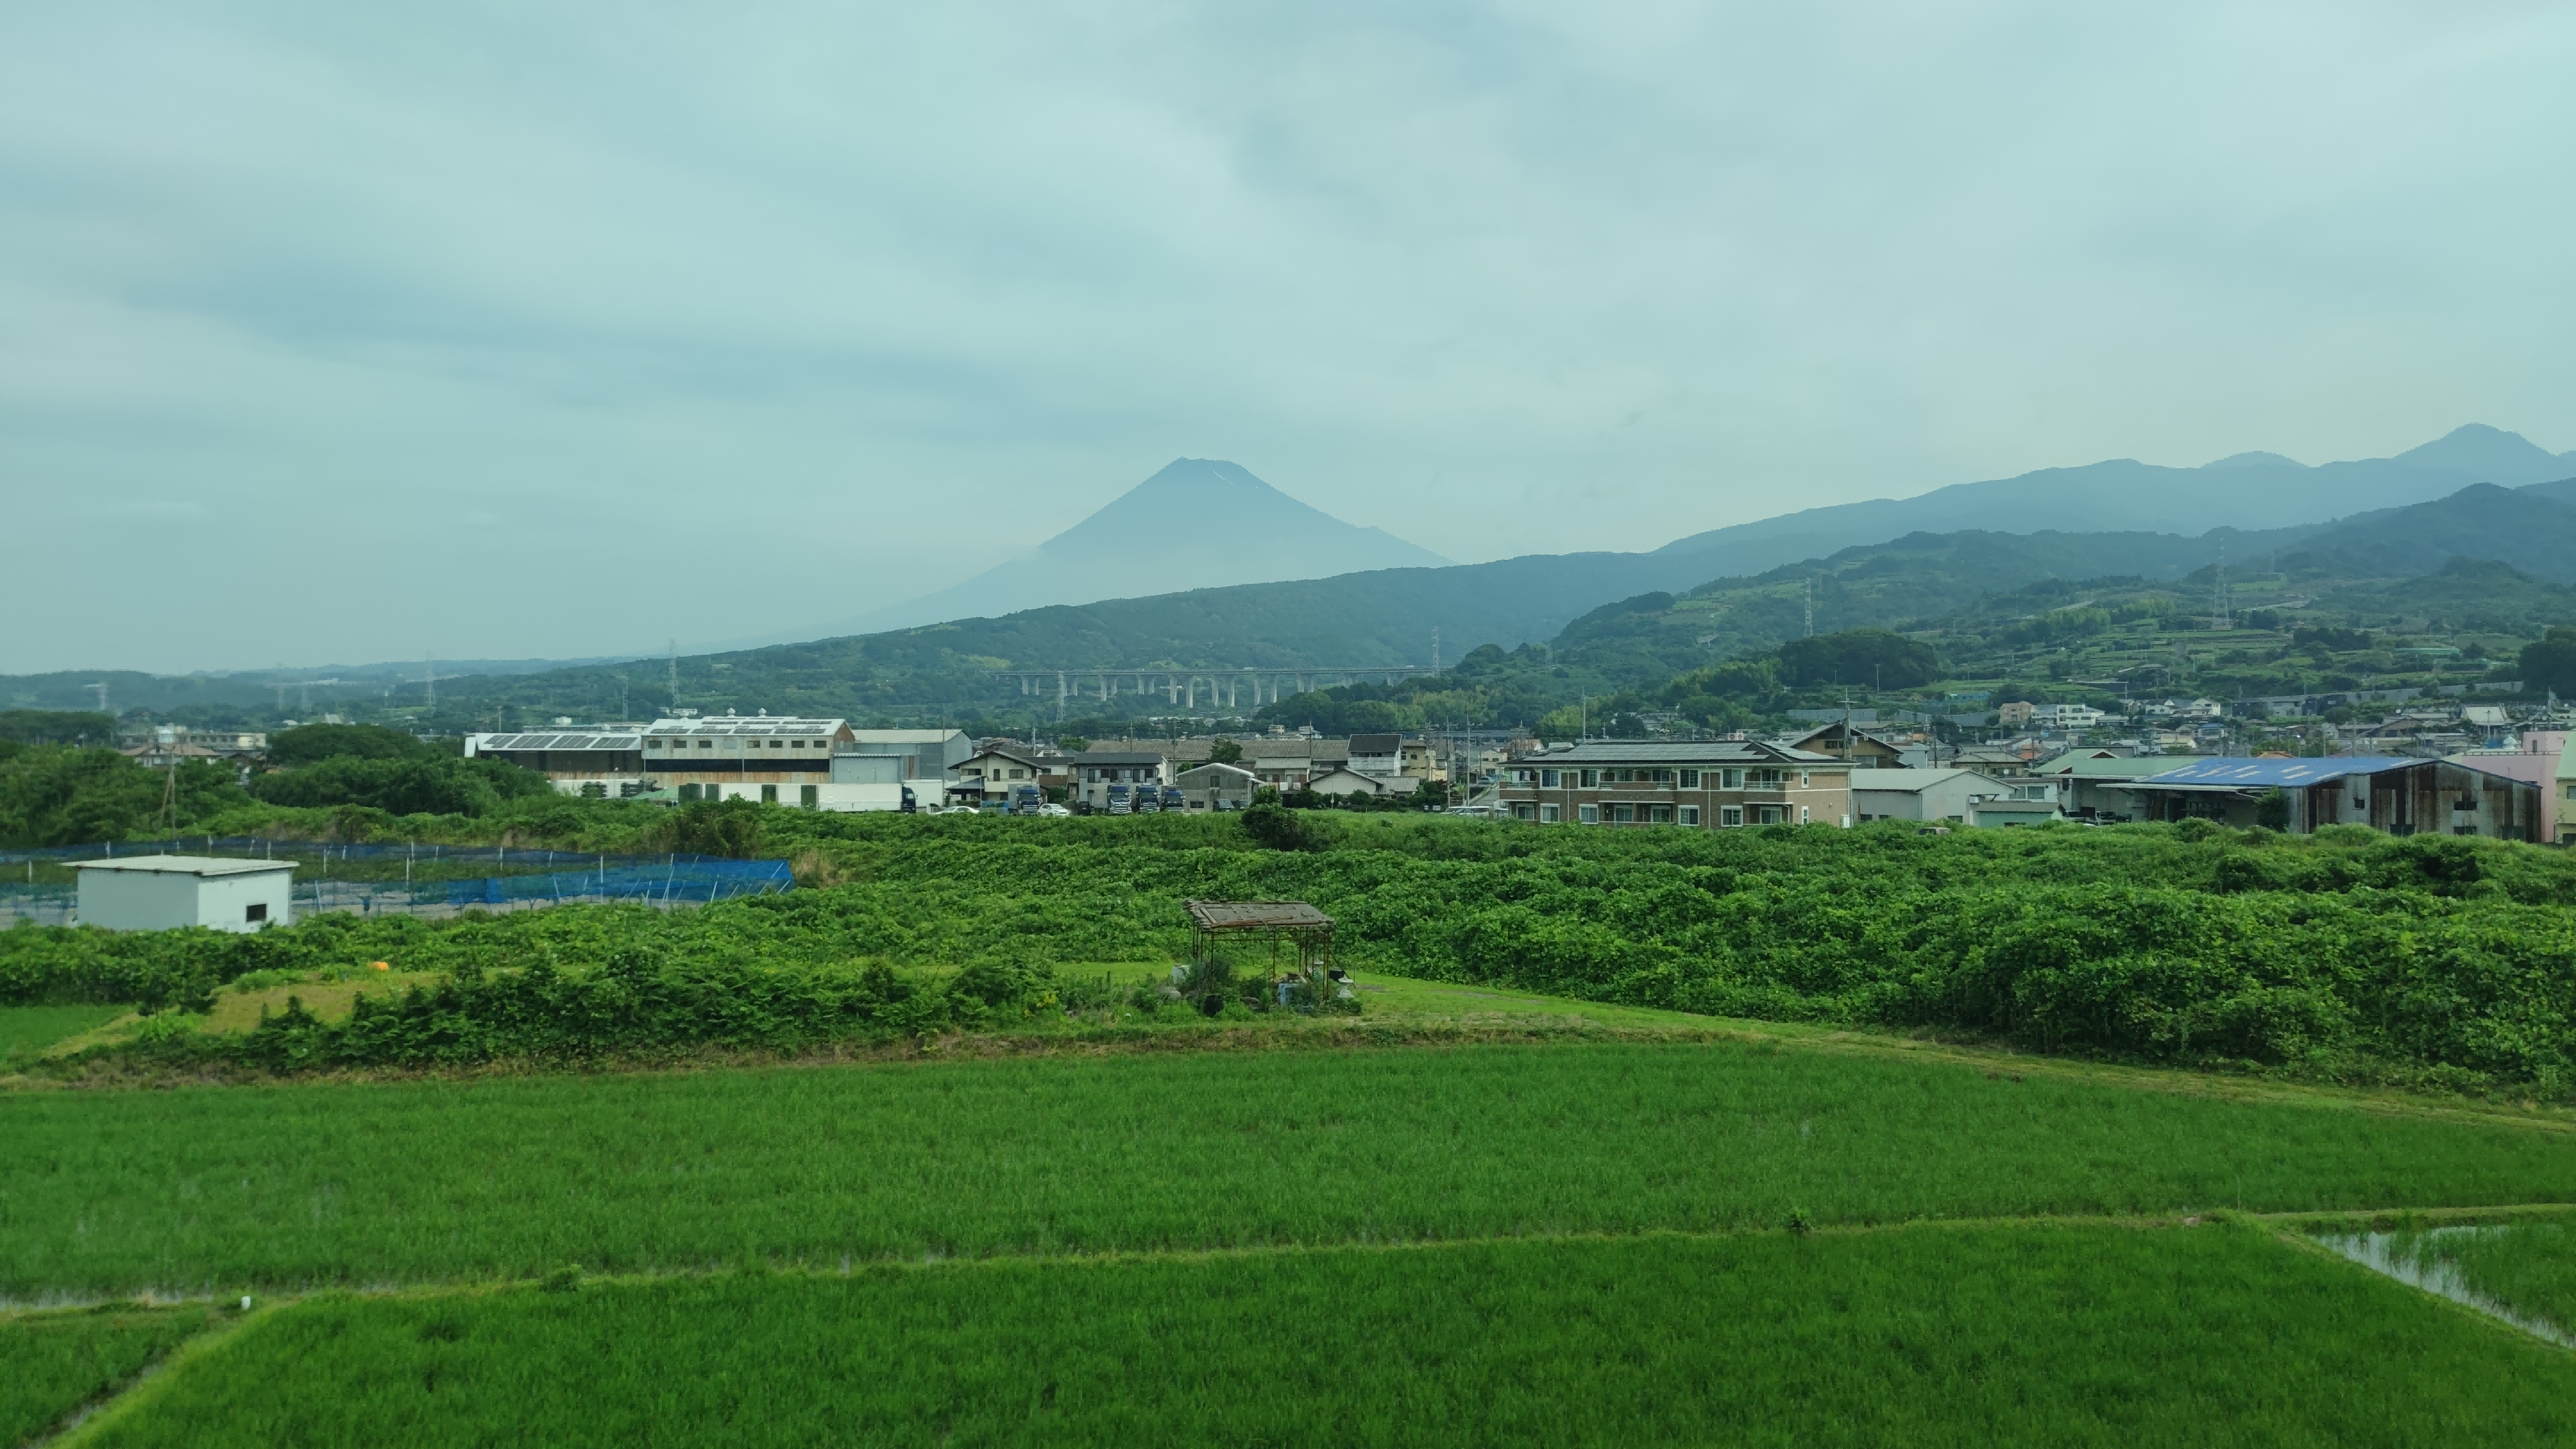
point(336, 333)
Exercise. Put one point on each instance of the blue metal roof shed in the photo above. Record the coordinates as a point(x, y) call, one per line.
point(2274, 774)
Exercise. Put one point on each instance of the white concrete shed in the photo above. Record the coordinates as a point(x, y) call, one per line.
point(157, 892)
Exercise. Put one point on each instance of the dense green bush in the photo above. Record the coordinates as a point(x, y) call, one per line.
point(404, 786)
point(2351, 954)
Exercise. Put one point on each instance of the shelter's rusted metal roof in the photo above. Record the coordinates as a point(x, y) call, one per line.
point(1257, 915)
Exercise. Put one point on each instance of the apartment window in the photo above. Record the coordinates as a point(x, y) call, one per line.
point(1770, 814)
point(2571, 792)
point(1690, 815)
point(768, 794)
point(1523, 810)
point(809, 796)
point(1549, 814)
point(1762, 779)
point(1623, 814)
point(1659, 815)
point(1591, 779)
point(1803, 816)
point(255, 911)
point(690, 792)
point(1730, 816)
point(1803, 782)
point(1551, 778)
point(1589, 814)
point(1690, 779)
point(1730, 780)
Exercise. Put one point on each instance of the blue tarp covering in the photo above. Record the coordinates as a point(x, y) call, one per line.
point(2275, 774)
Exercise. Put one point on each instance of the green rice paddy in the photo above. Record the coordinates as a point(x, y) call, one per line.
point(2044, 1335)
point(2528, 1266)
point(301, 1184)
point(52, 1364)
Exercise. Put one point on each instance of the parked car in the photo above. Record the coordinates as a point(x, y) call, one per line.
point(1052, 809)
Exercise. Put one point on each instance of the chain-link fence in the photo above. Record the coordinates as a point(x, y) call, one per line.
point(418, 880)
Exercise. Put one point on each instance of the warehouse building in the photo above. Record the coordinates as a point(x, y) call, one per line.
point(2402, 796)
point(778, 761)
point(599, 765)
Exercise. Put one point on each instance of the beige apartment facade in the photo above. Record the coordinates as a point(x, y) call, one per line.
point(1716, 785)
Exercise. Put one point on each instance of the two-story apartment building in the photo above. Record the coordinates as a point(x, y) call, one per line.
point(1101, 776)
point(1716, 785)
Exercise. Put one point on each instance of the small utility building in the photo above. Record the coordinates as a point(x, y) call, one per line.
point(158, 892)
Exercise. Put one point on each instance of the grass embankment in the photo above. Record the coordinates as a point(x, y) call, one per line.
point(27, 1031)
point(52, 1364)
point(313, 1183)
point(2047, 1335)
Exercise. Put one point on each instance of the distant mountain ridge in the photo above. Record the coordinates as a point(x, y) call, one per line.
point(1198, 523)
point(2123, 495)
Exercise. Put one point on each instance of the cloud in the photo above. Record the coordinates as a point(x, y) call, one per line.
point(740, 318)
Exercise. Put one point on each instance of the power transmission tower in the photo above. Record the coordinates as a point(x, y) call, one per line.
point(675, 674)
point(1811, 608)
point(1435, 647)
point(431, 679)
point(102, 697)
point(2220, 616)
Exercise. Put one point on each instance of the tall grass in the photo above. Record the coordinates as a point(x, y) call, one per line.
point(2054, 1336)
point(219, 1188)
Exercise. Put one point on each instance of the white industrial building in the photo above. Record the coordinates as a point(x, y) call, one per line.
point(160, 892)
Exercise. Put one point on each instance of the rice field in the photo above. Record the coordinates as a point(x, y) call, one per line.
point(2045, 1334)
point(52, 1364)
point(225, 1189)
point(2528, 1266)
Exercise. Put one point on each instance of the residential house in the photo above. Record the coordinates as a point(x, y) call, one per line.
point(1712, 785)
point(1104, 777)
point(1342, 780)
point(1217, 787)
point(998, 771)
point(1846, 741)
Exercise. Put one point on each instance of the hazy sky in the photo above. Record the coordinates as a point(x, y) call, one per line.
point(337, 332)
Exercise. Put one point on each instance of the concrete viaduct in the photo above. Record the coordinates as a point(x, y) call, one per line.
point(1180, 687)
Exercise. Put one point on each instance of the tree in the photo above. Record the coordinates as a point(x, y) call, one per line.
point(1872, 658)
point(1273, 826)
point(1224, 751)
point(2550, 662)
point(309, 744)
point(2272, 811)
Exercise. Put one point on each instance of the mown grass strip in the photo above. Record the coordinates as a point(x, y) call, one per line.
point(2040, 1335)
point(215, 1190)
point(51, 1364)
